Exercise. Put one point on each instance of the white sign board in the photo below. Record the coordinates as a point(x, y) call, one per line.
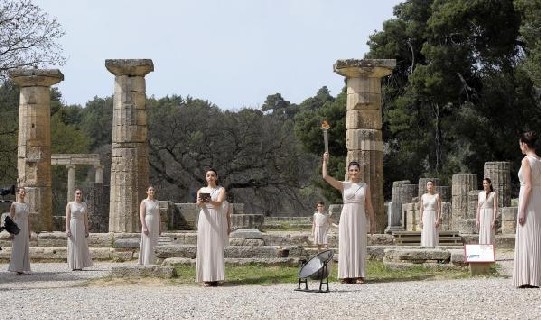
point(479, 253)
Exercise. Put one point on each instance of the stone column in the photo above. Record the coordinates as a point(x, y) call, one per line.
point(130, 166)
point(462, 184)
point(364, 140)
point(34, 147)
point(500, 175)
point(98, 175)
point(408, 191)
point(71, 183)
point(509, 220)
point(395, 213)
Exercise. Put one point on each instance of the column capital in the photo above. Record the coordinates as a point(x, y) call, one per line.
point(36, 77)
point(373, 68)
point(129, 67)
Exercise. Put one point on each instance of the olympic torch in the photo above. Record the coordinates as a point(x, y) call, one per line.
point(325, 126)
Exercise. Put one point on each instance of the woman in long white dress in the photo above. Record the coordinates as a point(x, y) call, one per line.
point(486, 213)
point(149, 214)
point(77, 233)
point(352, 226)
point(430, 211)
point(527, 264)
point(18, 212)
point(209, 260)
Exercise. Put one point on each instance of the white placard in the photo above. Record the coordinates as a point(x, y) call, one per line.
point(479, 253)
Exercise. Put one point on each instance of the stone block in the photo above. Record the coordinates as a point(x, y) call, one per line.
point(101, 239)
point(457, 257)
point(123, 254)
point(419, 255)
point(367, 119)
point(247, 221)
point(247, 234)
point(183, 251)
point(246, 242)
point(127, 243)
point(52, 239)
point(364, 139)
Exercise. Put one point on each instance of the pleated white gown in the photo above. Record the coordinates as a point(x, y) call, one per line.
point(209, 262)
point(429, 233)
point(78, 253)
point(148, 243)
point(352, 232)
point(20, 259)
point(321, 228)
point(486, 216)
point(527, 264)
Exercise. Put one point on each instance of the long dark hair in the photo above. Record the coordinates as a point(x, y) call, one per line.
point(529, 138)
point(491, 187)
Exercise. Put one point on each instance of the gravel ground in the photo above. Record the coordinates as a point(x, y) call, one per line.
point(54, 292)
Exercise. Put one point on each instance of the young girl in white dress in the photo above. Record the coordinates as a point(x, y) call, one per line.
point(321, 223)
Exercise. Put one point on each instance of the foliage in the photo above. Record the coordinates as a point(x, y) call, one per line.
point(258, 161)
point(28, 38)
point(456, 98)
point(9, 129)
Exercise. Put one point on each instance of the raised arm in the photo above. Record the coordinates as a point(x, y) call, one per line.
point(330, 180)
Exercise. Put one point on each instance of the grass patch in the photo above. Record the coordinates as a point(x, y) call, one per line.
point(257, 274)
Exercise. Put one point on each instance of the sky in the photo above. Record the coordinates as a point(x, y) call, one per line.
point(233, 53)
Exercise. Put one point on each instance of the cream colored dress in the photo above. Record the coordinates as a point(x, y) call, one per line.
point(78, 253)
point(429, 234)
point(209, 262)
point(321, 229)
point(486, 216)
point(527, 264)
point(20, 259)
point(352, 232)
point(148, 243)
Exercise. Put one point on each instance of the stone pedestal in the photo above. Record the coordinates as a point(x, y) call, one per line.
point(364, 139)
point(130, 164)
point(399, 196)
point(509, 220)
point(462, 184)
point(34, 147)
point(445, 219)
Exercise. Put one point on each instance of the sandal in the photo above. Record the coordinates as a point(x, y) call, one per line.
point(345, 281)
point(359, 280)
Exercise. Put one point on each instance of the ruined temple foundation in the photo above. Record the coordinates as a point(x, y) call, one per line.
point(130, 160)
point(364, 139)
point(34, 146)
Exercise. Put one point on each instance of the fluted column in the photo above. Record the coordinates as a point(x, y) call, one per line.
point(364, 140)
point(34, 146)
point(462, 217)
point(130, 166)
